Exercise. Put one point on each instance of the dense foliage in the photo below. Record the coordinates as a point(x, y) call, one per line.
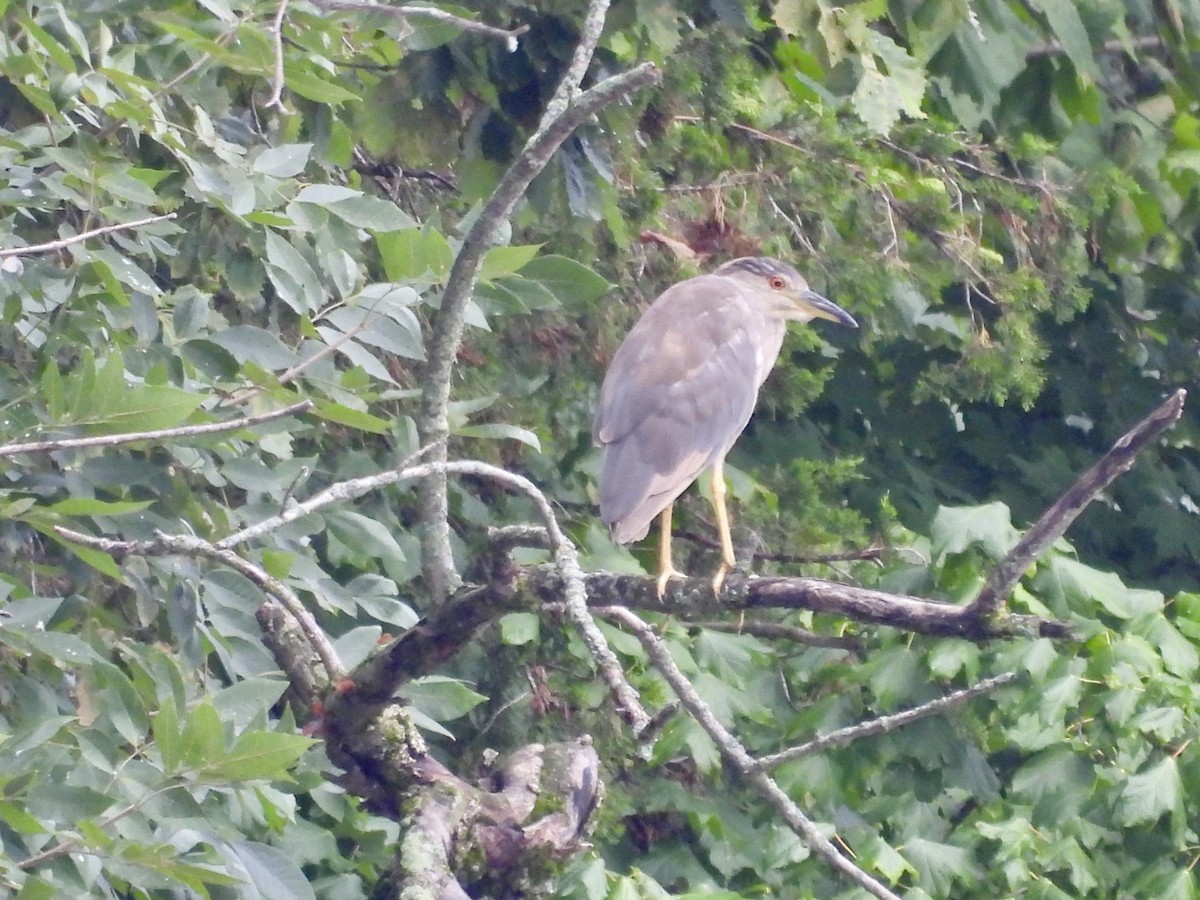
point(1003, 192)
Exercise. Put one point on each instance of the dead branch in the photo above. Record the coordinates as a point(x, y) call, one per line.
point(1058, 518)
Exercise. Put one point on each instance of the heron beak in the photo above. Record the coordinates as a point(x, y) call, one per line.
point(820, 308)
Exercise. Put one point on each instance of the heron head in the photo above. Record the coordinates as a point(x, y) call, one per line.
point(784, 290)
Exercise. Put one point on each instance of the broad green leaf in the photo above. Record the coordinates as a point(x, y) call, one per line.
point(956, 528)
point(500, 430)
point(352, 418)
point(519, 628)
point(445, 699)
point(88, 506)
point(202, 740)
point(167, 736)
point(415, 253)
point(249, 343)
point(500, 261)
point(258, 755)
point(273, 874)
point(1151, 793)
point(317, 87)
point(297, 283)
point(52, 391)
point(365, 535)
point(356, 645)
point(574, 284)
point(282, 162)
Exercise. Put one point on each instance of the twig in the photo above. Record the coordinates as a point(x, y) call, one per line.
point(51, 246)
point(186, 545)
point(437, 559)
point(413, 12)
point(736, 756)
point(276, 31)
point(777, 631)
point(1058, 518)
point(884, 723)
point(113, 440)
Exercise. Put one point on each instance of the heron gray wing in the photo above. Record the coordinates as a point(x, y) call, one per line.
point(678, 393)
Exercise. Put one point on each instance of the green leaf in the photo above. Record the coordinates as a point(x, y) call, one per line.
point(1148, 795)
point(273, 874)
point(294, 279)
point(365, 535)
point(282, 162)
point(258, 755)
point(317, 87)
point(202, 741)
point(1067, 25)
point(500, 430)
point(167, 736)
point(413, 254)
point(574, 284)
point(517, 629)
point(500, 261)
point(441, 698)
point(52, 392)
point(956, 528)
point(351, 418)
point(87, 506)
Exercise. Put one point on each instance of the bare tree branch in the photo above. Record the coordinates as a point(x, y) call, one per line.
point(186, 545)
point(133, 437)
point(51, 246)
point(884, 723)
point(566, 111)
point(736, 756)
point(1058, 518)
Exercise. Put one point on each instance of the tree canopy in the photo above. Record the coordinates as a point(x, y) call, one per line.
point(304, 306)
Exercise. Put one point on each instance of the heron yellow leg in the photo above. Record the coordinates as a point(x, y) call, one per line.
point(718, 498)
point(666, 567)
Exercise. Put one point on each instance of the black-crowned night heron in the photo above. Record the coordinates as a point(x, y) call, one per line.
point(681, 388)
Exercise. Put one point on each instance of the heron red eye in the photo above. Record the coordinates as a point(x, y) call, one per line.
point(777, 282)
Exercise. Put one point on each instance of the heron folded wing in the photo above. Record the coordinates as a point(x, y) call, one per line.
point(680, 390)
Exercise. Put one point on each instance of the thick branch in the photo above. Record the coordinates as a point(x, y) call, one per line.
point(740, 760)
point(1058, 518)
point(113, 440)
point(437, 559)
point(884, 723)
point(693, 597)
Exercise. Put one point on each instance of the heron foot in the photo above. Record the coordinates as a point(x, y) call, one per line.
point(719, 578)
point(669, 571)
